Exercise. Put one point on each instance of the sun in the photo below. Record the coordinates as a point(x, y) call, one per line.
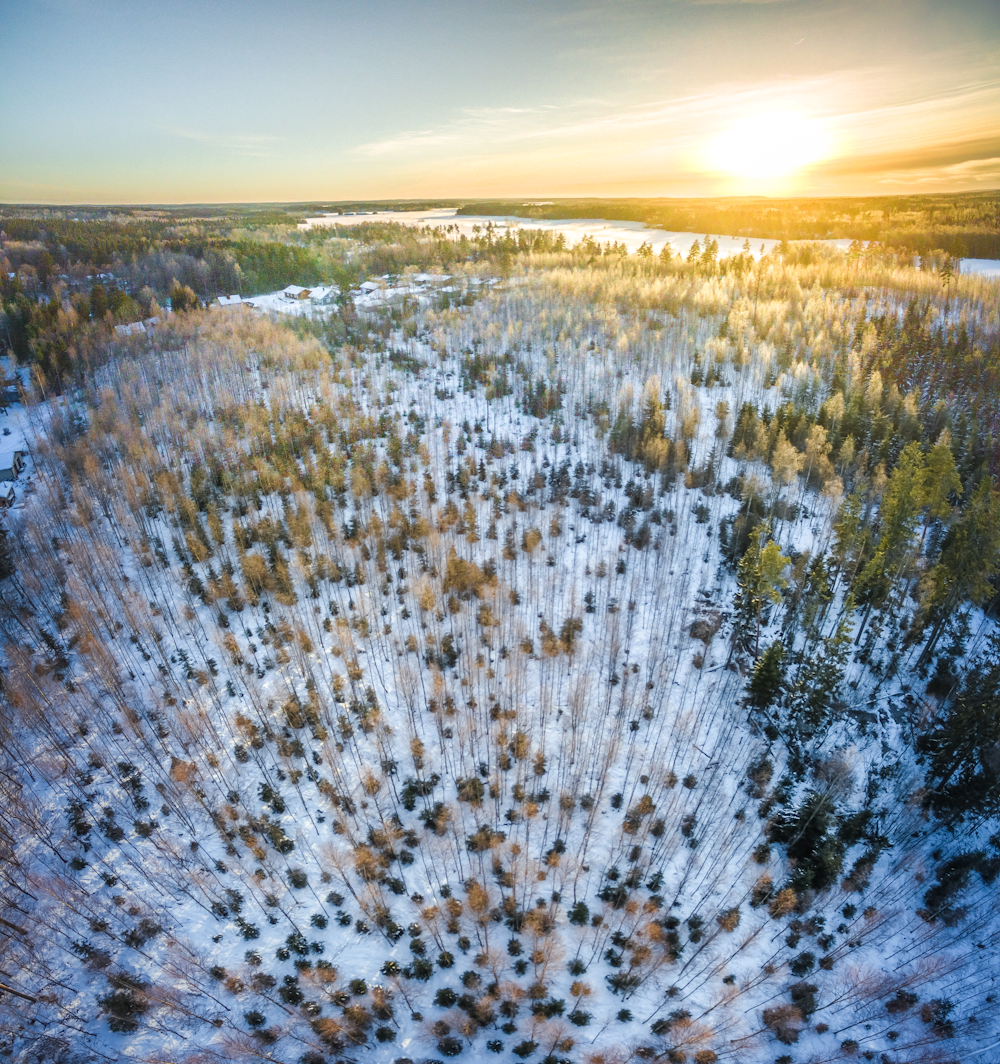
point(770, 144)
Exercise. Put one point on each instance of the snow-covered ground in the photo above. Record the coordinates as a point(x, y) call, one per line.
point(320, 303)
point(565, 740)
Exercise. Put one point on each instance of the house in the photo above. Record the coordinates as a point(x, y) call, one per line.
point(324, 295)
point(369, 286)
point(11, 463)
point(229, 301)
point(294, 291)
point(6, 498)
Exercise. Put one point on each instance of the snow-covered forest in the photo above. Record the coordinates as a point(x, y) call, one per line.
point(588, 657)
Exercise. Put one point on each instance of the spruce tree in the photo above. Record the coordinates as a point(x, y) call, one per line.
point(969, 558)
point(759, 582)
point(962, 750)
point(938, 481)
point(768, 677)
point(897, 519)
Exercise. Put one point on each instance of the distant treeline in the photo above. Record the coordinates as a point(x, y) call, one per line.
point(963, 225)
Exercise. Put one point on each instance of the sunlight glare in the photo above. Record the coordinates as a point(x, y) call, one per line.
point(770, 144)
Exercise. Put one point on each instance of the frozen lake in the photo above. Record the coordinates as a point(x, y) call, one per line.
point(981, 267)
point(575, 230)
point(603, 230)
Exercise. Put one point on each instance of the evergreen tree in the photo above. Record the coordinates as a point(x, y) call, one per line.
point(759, 581)
point(850, 535)
point(962, 750)
point(6, 561)
point(897, 520)
point(969, 559)
point(652, 445)
point(817, 682)
point(937, 482)
point(768, 676)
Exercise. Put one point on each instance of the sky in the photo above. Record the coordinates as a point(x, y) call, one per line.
point(255, 100)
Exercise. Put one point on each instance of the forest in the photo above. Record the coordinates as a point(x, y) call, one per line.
point(963, 224)
point(638, 612)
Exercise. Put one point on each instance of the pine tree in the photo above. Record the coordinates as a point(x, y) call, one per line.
point(6, 560)
point(897, 520)
point(759, 582)
point(768, 677)
point(652, 445)
point(962, 751)
point(938, 481)
point(850, 534)
point(816, 685)
point(969, 558)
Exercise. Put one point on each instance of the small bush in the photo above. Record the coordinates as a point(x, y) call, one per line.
point(729, 920)
point(803, 964)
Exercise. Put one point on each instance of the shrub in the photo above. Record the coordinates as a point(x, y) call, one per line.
point(902, 1002)
point(762, 890)
point(803, 964)
point(579, 914)
point(729, 920)
point(125, 1004)
point(782, 903)
point(936, 1014)
point(785, 1021)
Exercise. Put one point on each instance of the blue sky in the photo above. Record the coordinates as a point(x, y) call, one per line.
point(121, 102)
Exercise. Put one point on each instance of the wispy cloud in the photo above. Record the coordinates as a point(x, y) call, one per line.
point(880, 120)
point(252, 145)
point(470, 125)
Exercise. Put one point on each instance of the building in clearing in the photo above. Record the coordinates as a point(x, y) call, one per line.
point(7, 497)
point(229, 301)
point(11, 463)
point(294, 291)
